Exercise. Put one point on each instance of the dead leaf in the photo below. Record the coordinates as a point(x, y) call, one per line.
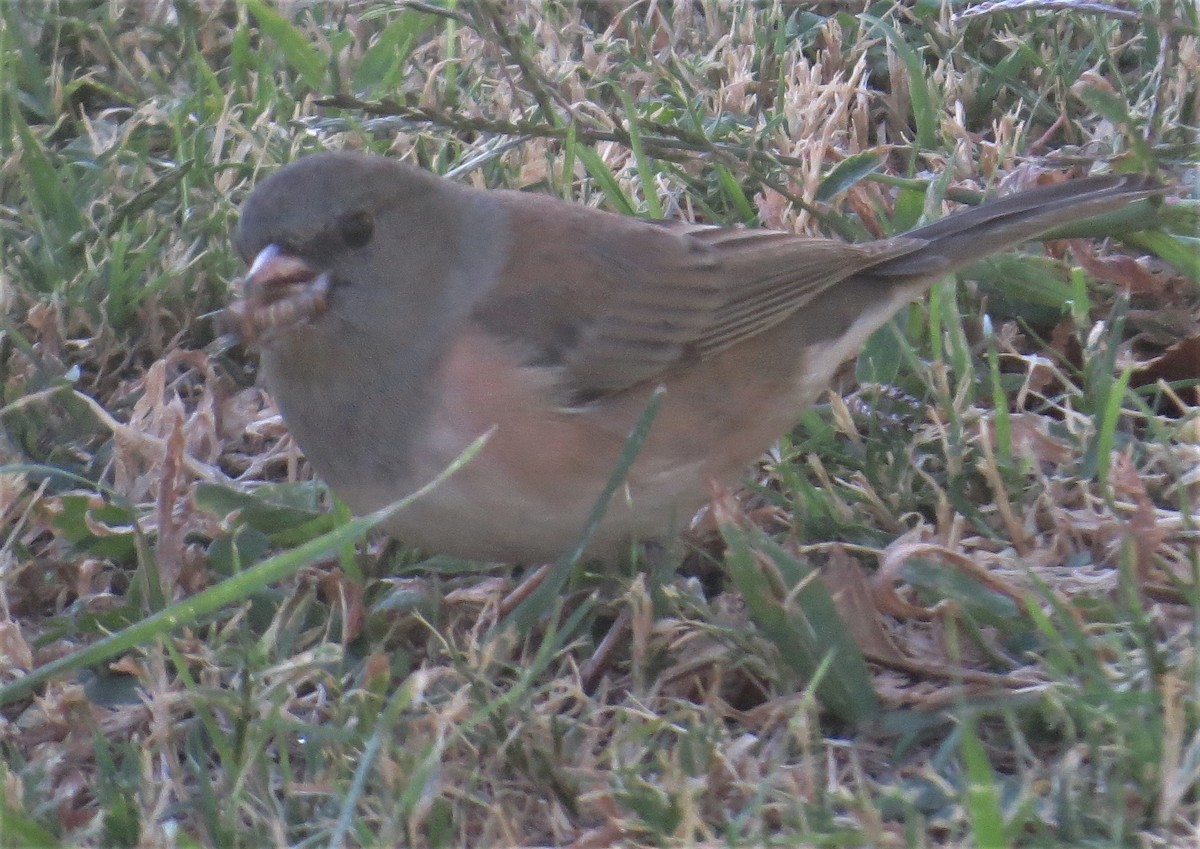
point(1123, 270)
point(1178, 363)
point(850, 586)
point(1143, 528)
point(1031, 439)
point(887, 579)
point(14, 650)
point(129, 665)
point(348, 595)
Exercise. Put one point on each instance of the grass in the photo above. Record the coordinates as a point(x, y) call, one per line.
point(991, 518)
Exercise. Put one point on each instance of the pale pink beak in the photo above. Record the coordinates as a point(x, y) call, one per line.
point(281, 291)
point(273, 268)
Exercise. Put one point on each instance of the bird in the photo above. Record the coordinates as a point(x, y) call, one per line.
point(400, 315)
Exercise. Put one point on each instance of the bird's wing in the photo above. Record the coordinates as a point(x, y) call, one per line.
point(633, 300)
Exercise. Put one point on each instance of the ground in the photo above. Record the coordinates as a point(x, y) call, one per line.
point(989, 520)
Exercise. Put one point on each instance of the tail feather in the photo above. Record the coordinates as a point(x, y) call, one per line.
point(965, 237)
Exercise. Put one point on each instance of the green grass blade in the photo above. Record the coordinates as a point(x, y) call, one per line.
point(295, 48)
point(1183, 252)
point(983, 794)
point(382, 64)
point(18, 830)
point(530, 610)
point(1110, 416)
point(644, 167)
point(792, 606)
point(737, 198)
point(924, 117)
point(604, 178)
point(851, 170)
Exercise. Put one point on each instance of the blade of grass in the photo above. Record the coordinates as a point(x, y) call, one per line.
point(382, 64)
point(1001, 419)
point(530, 610)
point(644, 168)
point(1112, 107)
point(919, 94)
point(735, 195)
point(45, 184)
point(297, 51)
point(604, 178)
point(1110, 416)
point(567, 169)
point(788, 601)
point(418, 779)
point(1183, 252)
point(18, 830)
point(850, 171)
point(983, 795)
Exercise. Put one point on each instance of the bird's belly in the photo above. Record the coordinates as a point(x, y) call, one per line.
point(511, 503)
point(529, 492)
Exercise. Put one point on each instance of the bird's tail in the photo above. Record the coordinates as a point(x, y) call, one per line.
point(965, 237)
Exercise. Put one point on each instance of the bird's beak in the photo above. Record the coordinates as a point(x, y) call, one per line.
point(280, 291)
point(273, 268)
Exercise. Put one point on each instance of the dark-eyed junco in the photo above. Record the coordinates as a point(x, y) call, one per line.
point(401, 315)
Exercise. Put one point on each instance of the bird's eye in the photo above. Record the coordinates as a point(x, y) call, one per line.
point(357, 228)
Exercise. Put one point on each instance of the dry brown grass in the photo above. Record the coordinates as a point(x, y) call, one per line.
point(1008, 531)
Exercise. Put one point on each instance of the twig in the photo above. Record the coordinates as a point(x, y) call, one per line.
point(1081, 6)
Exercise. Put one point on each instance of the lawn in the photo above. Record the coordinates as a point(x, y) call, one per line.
point(957, 606)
